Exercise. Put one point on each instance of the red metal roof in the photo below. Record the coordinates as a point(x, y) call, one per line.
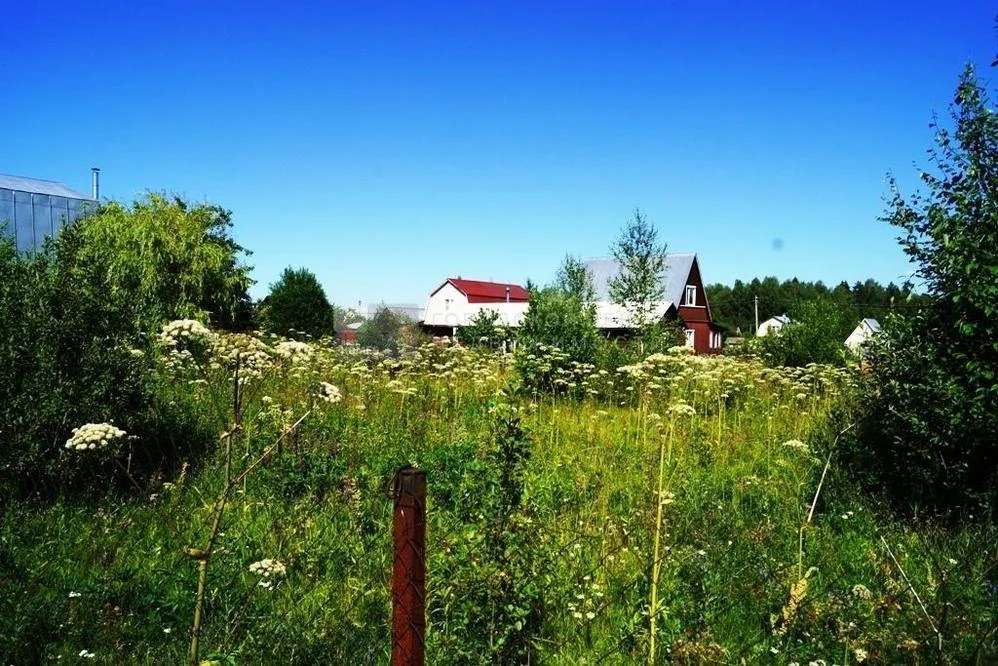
point(489, 292)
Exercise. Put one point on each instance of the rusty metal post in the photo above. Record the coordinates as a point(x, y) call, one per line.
point(409, 569)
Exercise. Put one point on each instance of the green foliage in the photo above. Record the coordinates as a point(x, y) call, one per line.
point(638, 286)
point(556, 319)
point(734, 307)
point(540, 525)
point(70, 355)
point(815, 334)
point(297, 302)
point(483, 331)
point(575, 280)
point(384, 331)
point(162, 259)
point(930, 432)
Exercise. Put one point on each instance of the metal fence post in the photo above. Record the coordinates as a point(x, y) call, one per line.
point(409, 569)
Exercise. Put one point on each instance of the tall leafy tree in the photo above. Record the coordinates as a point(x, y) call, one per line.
point(574, 279)
point(934, 414)
point(297, 302)
point(161, 258)
point(641, 256)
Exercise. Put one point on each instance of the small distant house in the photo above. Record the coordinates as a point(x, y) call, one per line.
point(684, 300)
point(863, 332)
point(772, 325)
point(457, 302)
point(348, 334)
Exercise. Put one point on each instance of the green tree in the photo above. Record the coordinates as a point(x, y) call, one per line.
point(930, 429)
point(638, 286)
point(483, 331)
point(385, 331)
point(297, 302)
point(161, 259)
point(574, 279)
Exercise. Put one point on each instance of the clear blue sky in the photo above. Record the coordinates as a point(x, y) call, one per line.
point(389, 145)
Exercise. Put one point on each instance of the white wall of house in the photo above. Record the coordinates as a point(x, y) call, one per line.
point(771, 325)
point(449, 307)
point(859, 336)
point(613, 316)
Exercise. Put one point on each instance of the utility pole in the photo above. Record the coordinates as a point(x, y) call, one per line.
point(757, 313)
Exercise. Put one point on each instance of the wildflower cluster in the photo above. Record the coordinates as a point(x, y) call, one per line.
point(180, 331)
point(268, 569)
point(93, 436)
point(329, 393)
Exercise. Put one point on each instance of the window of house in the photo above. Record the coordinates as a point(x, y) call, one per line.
point(690, 337)
point(691, 294)
point(447, 303)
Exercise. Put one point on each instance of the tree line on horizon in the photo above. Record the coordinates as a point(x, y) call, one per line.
point(733, 307)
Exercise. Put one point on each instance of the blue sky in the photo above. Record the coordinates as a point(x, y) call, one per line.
point(387, 146)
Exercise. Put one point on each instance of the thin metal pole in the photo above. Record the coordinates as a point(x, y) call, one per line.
point(757, 315)
point(409, 569)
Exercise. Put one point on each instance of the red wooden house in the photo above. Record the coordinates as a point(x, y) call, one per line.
point(684, 300)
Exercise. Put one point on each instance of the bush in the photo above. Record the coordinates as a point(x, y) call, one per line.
point(816, 334)
point(928, 439)
point(78, 320)
point(383, 331)
point(483, 331)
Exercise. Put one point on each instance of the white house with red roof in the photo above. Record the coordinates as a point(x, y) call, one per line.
point(457, 302)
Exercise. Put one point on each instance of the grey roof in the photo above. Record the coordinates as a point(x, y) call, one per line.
point(38, 186)
point(673, 277)
point(873, 324)
point(410, 310)
point(783, 319)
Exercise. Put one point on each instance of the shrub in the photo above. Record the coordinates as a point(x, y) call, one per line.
point(814, 335)
point(483, 331)
point(929, 434)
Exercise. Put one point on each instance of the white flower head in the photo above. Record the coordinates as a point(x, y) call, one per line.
point(182, 330)
point(329, 393)
point(93, 436)
point(267, 569)
point(796, 444)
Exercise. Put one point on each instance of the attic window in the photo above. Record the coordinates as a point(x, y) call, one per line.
point(691, 294)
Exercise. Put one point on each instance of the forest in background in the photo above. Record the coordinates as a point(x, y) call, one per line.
point(734, 306)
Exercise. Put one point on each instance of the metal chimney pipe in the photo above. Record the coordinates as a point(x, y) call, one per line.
point(95, 178)
point(507, 294)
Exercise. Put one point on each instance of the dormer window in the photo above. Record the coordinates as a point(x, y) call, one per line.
point(691, 294)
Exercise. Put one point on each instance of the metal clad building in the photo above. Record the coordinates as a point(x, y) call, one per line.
point(33, 209)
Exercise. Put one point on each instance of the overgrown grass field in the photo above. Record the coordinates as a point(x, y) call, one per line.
point(682, 509)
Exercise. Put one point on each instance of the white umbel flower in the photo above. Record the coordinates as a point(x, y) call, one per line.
point(93, 436)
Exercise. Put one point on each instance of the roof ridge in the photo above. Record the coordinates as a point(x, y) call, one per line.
point(40, 180)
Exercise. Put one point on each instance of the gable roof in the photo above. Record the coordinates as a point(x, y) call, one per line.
point(673, 277)
point(872, 324)
point(479, 291)
point(38, 186)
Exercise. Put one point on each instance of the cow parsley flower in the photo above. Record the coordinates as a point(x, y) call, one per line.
point(182, 330)
point(294, 350)
point(268, 569)
point(682, 409)
point(861, 592)
point(796, 444)
point(329, 393)
point(93, 436)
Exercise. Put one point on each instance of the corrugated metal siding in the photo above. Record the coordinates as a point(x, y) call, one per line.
point(32, 210)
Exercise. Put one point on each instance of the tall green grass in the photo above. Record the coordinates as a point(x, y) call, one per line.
point(543, 511)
